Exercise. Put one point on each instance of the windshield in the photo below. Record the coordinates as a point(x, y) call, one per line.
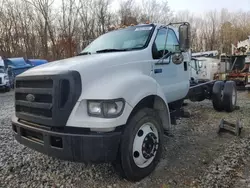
point(121, 40)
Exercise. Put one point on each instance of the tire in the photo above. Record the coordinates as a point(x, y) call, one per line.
point(229, 96)
point(217, 95)
point(141, 130)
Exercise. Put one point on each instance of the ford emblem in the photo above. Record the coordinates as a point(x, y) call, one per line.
point(30, 98)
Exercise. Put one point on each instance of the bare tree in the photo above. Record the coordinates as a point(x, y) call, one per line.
point(156, 11)
point(68, 26)
point(87, 23)
point(103, 15)
point(57, 29)
point(126, 12)
point(44, 7)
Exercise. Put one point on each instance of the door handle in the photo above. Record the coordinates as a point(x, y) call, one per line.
point(157, 71)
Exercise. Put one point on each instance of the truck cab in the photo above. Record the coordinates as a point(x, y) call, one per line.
point(204, 65)
point(111, 103)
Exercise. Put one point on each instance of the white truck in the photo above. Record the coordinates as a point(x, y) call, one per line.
point(114, 101)
point(204, 65)
point(4, 78)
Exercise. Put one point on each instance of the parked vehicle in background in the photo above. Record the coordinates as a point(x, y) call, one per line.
point(11, 77)
point(36, 62)
point(213, 53)
point(235, 66)
point(247, 67)
point(4, 78)
point(204, 65)
point(17, 65)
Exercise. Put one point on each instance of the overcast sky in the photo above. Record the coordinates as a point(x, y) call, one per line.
point(199, 6)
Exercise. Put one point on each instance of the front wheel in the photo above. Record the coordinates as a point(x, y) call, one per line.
point(141, 145)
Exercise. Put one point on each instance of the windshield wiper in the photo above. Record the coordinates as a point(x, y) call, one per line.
point(84, 53)
point(111, 50)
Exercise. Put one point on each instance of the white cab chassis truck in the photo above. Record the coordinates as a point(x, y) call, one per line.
point(114, 101)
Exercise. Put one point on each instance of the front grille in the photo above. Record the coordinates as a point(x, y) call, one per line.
point(34, 110)
point(35, 83)
point(47, 100)
point(41, 98)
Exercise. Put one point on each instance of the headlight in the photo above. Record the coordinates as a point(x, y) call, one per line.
point(106, 108)
point(95, 108)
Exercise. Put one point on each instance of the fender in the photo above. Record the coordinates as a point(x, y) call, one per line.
point(164, 109)
point(133, 86)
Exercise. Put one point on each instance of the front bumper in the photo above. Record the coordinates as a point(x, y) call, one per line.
point(88, 147)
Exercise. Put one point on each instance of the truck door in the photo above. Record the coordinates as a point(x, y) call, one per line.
point(173, 78)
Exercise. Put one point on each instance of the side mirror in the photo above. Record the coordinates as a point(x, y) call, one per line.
point(184, 36)
point(177, 58)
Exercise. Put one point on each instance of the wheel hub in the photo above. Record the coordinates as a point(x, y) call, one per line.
point(149, 145)
point(145, 145)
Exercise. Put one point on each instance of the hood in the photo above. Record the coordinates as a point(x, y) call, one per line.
point(103, 60)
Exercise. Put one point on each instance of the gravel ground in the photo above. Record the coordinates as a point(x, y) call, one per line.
point(194, 157)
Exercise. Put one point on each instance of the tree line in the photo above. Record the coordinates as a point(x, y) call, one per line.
point(56, 29)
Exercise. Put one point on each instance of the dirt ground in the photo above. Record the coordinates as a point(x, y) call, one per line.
point(195, 156)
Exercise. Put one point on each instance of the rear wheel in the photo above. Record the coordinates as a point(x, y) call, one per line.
point(229, 96)
point(141, 145)
point(217, 96)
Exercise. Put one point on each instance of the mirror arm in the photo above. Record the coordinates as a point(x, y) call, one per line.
point(167, 55)
point(163, 57)
point(166, 41)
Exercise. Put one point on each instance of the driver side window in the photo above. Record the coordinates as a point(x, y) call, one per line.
point(172, 44)
point(160, 39)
